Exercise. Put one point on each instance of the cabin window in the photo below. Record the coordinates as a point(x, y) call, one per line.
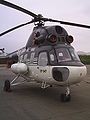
point(25, 57)
point(43, 59)
point(63, 55)
point(32, 57)
point(20, 58)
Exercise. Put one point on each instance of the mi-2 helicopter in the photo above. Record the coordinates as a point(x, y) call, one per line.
point(48, 58)
point(2, 53)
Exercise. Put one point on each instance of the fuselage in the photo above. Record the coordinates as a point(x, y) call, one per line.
point(55, 65)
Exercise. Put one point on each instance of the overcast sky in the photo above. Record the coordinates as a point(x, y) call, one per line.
point(77, 11)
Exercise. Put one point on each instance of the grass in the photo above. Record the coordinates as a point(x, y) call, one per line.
point(85, 59)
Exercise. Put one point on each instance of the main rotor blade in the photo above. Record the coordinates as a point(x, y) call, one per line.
point(7, 31)
point(3, 2)
point(67, 23)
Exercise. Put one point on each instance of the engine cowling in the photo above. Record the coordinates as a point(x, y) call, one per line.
point(19, 68)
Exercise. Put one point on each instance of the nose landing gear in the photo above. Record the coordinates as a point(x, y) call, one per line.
point(66, 97)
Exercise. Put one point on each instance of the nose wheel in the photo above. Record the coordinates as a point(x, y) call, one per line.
point(66, 97)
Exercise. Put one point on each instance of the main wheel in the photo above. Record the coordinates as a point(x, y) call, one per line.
point(65, 98)
point(7, 86)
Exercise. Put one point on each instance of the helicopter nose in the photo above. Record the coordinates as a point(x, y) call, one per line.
point(73, 74)
point(60, 74)
point(19, 68)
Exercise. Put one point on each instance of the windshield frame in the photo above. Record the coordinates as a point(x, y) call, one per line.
point(72, 56)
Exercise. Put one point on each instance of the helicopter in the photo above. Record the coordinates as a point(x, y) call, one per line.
point(2, 53)
point(48, 57)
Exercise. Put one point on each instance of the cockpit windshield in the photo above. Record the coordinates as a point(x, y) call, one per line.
point(63, 54)
point(74, 54)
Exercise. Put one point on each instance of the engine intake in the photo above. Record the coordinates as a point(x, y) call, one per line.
point(60, 74)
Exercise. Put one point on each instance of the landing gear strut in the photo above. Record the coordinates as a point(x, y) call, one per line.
point(66, 97)
point(8, 84)
point(44, 85)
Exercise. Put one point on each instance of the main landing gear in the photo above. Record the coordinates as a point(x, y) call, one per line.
point(66, 97)
point(7, 86)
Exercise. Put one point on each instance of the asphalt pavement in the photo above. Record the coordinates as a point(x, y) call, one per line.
point(30, 102)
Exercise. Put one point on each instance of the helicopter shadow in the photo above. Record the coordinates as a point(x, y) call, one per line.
point(35, 91)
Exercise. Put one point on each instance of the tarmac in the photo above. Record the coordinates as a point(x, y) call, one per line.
point(30, 102)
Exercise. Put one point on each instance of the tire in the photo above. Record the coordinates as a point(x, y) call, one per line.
point(65, 98)
point(7, 86)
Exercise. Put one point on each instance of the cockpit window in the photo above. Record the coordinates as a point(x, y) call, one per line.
point(74, 54)
point(63, 55)
point(52, 56)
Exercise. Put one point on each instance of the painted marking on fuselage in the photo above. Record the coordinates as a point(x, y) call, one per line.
point(43, 71)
